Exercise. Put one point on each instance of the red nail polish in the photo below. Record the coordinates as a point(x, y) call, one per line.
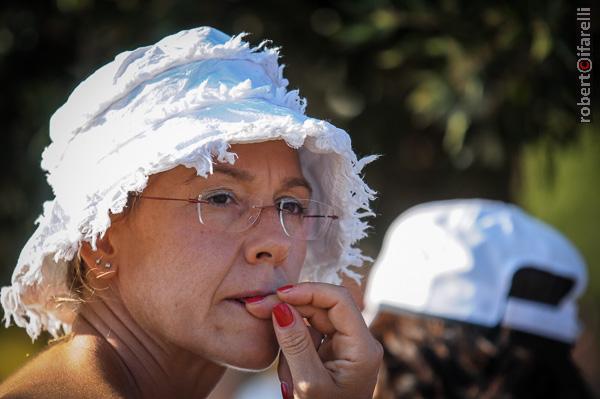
point(283, 315)
point(285, 288)
point(254, 299)
point(285, 391)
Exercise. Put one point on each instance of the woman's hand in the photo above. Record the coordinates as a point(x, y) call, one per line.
point(336, 356)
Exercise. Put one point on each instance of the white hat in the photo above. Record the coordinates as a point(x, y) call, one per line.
point(457, 260)
point(180, 101)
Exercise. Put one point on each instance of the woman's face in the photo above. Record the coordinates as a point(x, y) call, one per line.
point(177, 277)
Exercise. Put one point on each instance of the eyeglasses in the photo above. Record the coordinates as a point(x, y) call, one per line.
point(223, 211)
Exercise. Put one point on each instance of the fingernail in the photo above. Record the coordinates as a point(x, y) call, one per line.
point(283, 315)
point(285, 391)
point(254, 299)
point(285, 288)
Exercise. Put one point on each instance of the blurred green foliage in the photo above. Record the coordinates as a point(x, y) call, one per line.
point(560, 186)
point(563, 190)
point(450, 92)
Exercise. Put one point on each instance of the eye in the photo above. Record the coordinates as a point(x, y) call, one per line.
point(290, 205)
point(221, 199)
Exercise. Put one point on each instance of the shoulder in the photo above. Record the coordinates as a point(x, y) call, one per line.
point(64, 370)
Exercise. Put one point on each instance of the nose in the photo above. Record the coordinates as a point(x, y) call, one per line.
point(266, 242)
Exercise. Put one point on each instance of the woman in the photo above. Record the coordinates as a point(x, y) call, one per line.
point(491, 313)
point(192, 194)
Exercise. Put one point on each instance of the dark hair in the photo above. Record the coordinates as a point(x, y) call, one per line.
point(427, 357)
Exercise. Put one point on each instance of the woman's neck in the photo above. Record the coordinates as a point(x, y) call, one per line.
point(152, 368)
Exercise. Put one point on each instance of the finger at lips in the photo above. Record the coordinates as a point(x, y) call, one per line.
point(342, 312)
point(262, 309)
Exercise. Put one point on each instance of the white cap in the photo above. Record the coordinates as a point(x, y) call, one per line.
point(181, 101)
point(457, 259)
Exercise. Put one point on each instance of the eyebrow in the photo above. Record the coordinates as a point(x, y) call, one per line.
point(291, 182)
point(237, 174)
point(242, 175)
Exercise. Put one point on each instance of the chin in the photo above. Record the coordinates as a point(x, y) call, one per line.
point(255, 357)
point(252, 360)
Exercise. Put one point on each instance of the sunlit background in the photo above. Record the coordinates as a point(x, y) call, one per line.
point(461, 98)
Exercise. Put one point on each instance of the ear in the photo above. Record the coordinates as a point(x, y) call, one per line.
point(100, 262)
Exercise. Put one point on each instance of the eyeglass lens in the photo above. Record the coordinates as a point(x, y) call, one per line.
point(299, 218)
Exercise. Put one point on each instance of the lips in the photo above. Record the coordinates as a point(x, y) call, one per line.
point(250, 296)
